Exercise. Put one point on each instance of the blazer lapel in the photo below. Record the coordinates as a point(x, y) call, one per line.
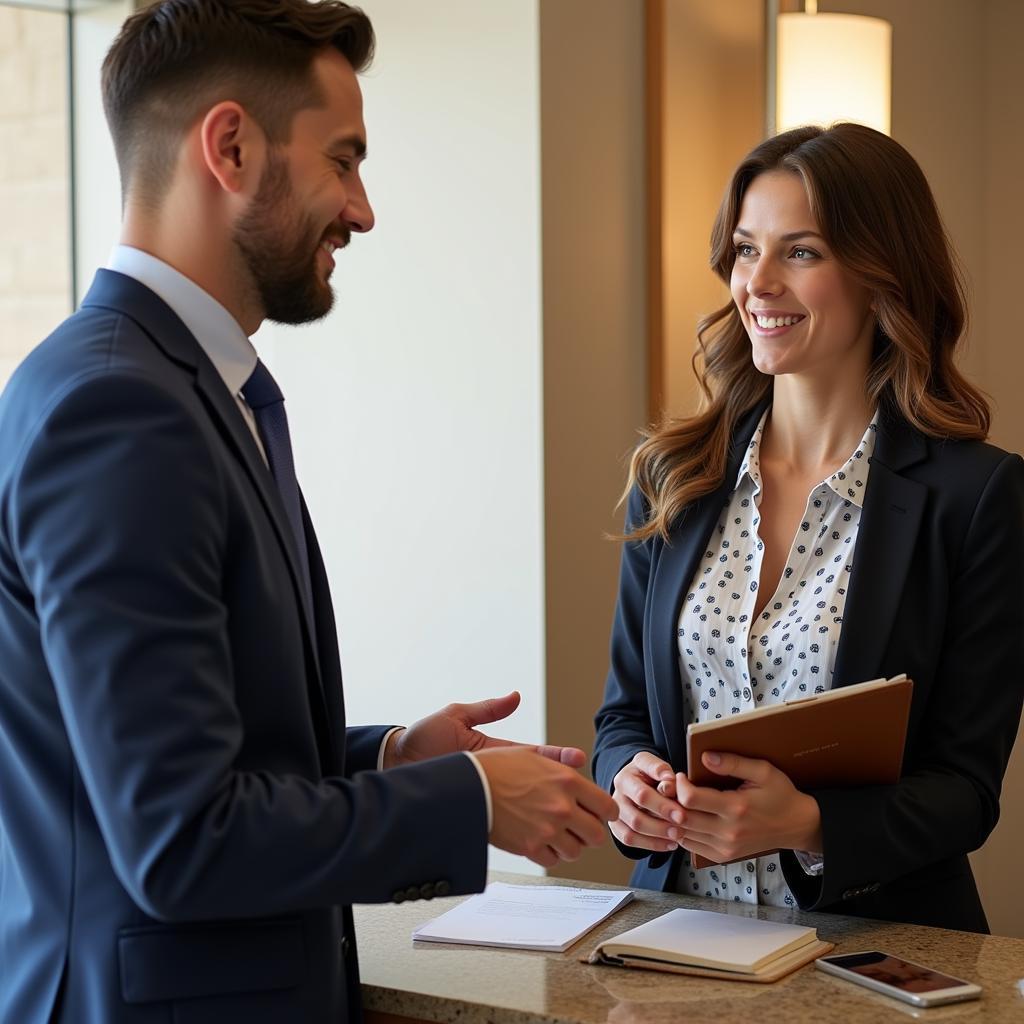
point(327, 640)
point(890, 520)
point(126, 295)
point(224, 409)
point(676, 565)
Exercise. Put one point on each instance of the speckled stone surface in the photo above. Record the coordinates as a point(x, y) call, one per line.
point(476, 985)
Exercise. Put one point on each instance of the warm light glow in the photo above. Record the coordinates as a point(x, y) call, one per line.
point(833, 67)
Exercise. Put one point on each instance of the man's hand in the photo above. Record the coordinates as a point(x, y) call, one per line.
point(542, 810)
point(646, 819)
point(767, 812)
point(452, 729)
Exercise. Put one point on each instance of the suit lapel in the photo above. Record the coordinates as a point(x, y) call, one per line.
point(327, 640)
point(676, 565)
point(225, 411)
point(126, 295)
point(890, 521)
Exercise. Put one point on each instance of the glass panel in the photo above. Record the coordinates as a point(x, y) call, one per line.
point(35, 263)
point(43, 5)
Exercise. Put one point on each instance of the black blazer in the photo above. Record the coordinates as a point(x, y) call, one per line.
point(184, 816)
point(936, 592)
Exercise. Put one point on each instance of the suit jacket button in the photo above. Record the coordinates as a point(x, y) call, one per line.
point(427, 891)
point(851, 893)
point(442, 888)
point(398, 895)
point(412, 893)
point(874, 887)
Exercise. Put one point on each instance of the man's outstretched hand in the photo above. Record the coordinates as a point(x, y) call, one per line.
point(453, 729)
point(542, 808)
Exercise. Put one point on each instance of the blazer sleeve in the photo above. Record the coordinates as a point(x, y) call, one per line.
point(117, 510)
point(947, 803)
point(362, 747)
point(623, 722)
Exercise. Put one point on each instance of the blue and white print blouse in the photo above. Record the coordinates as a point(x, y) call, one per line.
point(730, 663)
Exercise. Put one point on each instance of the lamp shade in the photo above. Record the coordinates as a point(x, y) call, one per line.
point(833, 67)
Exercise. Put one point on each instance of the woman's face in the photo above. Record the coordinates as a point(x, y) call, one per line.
point(804, 313)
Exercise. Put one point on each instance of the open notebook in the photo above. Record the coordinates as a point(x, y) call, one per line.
point(714, 944)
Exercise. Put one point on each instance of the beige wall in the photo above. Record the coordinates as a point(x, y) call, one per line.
point(998, 283)
point(999, 289)
point(957, 88)
point(593, 238)
point(714, 72)
point(35, 270)
point(1002, 157)
point(957, 106)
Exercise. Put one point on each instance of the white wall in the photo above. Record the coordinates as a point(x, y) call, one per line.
point(415, 408)
point(97, 186)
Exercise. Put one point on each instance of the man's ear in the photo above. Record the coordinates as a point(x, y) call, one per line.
point(233, 146)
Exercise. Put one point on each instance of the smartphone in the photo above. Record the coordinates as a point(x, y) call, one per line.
point(902, 979)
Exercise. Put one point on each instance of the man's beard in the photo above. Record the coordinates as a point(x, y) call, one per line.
point(280, 251)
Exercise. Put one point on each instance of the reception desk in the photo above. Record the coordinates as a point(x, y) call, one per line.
point(405, 981)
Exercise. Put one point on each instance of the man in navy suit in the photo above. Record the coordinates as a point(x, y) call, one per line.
point(184, 817)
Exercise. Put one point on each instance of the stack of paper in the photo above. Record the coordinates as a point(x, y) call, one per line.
point(547, 917)
point(711, 944)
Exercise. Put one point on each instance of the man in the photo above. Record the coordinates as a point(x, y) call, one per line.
point(184, 817)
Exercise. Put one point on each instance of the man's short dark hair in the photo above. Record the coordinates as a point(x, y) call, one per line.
point(173, 60)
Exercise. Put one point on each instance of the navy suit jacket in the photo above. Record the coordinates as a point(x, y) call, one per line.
point(936, 592)
point(184, 818)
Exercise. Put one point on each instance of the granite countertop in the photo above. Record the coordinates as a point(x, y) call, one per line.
point(478, 985)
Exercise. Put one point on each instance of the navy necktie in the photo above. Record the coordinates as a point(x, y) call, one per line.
point(264, 397)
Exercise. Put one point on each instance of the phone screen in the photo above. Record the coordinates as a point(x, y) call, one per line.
point(891, 970)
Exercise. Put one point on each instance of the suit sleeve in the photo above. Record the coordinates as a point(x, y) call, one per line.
point(947, 803)
point(623, 722)
point(362, 747)
point(118, 513)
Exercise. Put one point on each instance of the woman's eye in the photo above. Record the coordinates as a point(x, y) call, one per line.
point(744, 249)
point(804, 254)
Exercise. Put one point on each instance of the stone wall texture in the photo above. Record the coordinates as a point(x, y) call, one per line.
point(35, 261)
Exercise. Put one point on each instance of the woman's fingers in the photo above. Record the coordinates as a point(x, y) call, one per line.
point(647, 819)
point(628, 837)
point(639, 790)
point(706, 850)
point(639, 781)
point(637, 819)
point(654, 767)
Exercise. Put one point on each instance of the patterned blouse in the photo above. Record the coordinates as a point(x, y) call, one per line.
point(730, 663)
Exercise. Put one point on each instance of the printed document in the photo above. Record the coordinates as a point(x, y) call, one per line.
point(546, 917)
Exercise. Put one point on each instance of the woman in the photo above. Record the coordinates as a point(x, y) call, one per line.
point(832, 515)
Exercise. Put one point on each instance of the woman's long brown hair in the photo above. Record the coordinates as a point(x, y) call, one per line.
point(876, 211)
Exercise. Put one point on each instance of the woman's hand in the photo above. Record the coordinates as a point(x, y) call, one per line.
point(647, 820)
point(767, 812)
